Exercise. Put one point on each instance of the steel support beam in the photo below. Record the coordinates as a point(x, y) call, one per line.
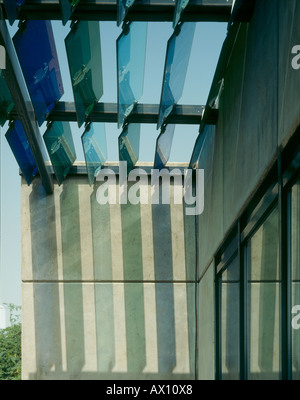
point(23, 106)
point(142, 10)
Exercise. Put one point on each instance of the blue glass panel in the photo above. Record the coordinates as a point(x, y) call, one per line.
point(85, 64)
point(176, 64)
point(123, 6)
point(163, 147)
point(179, 7)
point(94, 148)
point(35, 46)
point(59, 142)
point(6, 101)
point(129, 145)
point(198, 148)
point(131, 53)
point(12, 8)
point(67, 8)
point(19, 145)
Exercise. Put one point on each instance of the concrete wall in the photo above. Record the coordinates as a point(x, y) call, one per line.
point(108, 290)
point(259, 111)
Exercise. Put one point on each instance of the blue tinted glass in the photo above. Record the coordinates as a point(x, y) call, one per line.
point(123, 6)
point(35, 46)
point(12, 8)
point(19, 145)
point(59, 142)
point(131, 53)
point(163, 147)
point(129, 145)
point(176, 64)
point(6, 101)
point(197, 149)
point(67, 7)
point(94, 148)
point(85, 64)
point(179, 7)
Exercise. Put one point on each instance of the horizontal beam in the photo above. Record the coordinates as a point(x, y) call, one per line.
point(142, 10)
point(142, 113)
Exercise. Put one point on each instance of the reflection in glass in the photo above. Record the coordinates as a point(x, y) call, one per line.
point(12, 8)
point(131, 53)
point(123, 6)
point(67, 7)
point(94, 148)
point(59, 142)
point(6, 101)
point(176, 64)
point(85, 64)
point(129, 145)
point(295, 260)
point(35, 46)
point(264, 286)
point(179, 7)
point(163, 146)
point(230, 321)
point(19, 145)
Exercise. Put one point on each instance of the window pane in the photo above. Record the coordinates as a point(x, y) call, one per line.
point(176, 64)
point(131, 53)
point(263, 309)
point(295, 259)
point(94, 148)
point(163, 146)
point(6, 101)
point(230, 322)
point(60, 146)
point(19, 145)
point(35, 46)
point(12, 9)
point(180, 6)
point(85, 64)
point(129, 145)
point(67, 7)
point(123, 6)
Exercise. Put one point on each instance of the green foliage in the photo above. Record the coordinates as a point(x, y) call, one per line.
point(10, 347)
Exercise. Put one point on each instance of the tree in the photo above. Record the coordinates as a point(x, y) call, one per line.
point(10, 347)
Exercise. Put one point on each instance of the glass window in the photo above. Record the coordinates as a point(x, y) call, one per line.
point(35, 46)
point(176, 64)
point(12, 8)
point(85, 64)
point(163, 146)
point(263, 301)
point(123, 6)
point(295, 261)
point(131, 53)
point(67, 7)
point(19, 145)
point(6, 101)
point(94, 148)
point(59, 142)
point(230, 321)
point(129, 145)
point(179, 7)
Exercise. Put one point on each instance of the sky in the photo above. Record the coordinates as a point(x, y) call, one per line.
point(205, 52)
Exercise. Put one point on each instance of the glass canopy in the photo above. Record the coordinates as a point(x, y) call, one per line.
point(123, 6)
point(60, 146)
point(176, 64)
point(129, 145)
point(6, 101)
point(67, 7)
point(179, 7)
point(85, 64)
point(131, 54)
point(163, 146)
point(19, 145)
point(94, 148)
point(12, 8)
point(35, 47)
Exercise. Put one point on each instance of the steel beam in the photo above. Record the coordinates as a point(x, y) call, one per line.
point(23, 106)
point(142, 10)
